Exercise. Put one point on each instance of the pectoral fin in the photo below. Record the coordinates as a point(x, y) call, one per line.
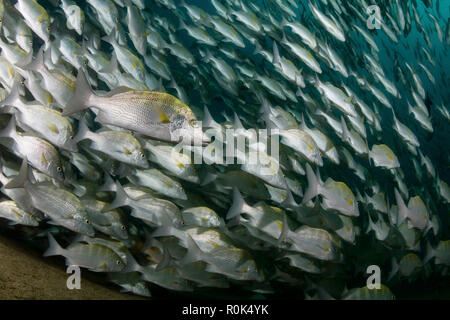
point(162, 117)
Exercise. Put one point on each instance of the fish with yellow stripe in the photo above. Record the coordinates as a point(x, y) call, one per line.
point(155, 114)
point(40, 154)
point(11, 211)
point(336, 195)
point(36, 17)
point(118, 145)
point(56, 128)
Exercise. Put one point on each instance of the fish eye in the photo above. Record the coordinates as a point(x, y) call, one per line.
point(48, 29)
point(122, 227)
point(87, 221)
point(118, 262)
point(22, 81)
point(71, 137)
point(193, 123)
point(142, 155)
point(59, 169)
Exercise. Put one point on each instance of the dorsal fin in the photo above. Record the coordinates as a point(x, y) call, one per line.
point(237, 122)
point(118, 90)
point(303, 124)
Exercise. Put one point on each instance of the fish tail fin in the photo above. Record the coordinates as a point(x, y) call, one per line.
point(108, 184)
point(149, 241)
point(166, 260)
point(394, 270)
point(84, 49)
point(112, 67)
point(371, 226)
point(394, 117)
point(208, 56)
point(182, 25)
point(160, 86)
point(111, 37)
point(303, 124)
point(20, 180)
point(429, 253)
point(166, 228)
point(289, 201)
point(370, 158)
point(345, 133)
point(80, 238)
point(284, 39)
point(82, 133)
point(124, 170)
point(316, 81)
point(120, 200)
point(258, 48)
point(313, 185)
point(402, 209)
point(300, 82)
point(265, 107)
point(237, 206)
point(410, 109)
point(276, 54)
point(209, 177)
point(284, 231)
point(208, 121)
point(422, 158)
point(237, 122)
point(132, 265)
point(319, 178)
point(54, 249)
point(10, 130)
point(194, 253)
point(13, 97)
point(81, 97)
point(38, 62)
point(318, 112)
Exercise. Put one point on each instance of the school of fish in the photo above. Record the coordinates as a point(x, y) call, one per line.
point(98, 96)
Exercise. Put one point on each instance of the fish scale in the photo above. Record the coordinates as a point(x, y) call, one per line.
point(57, 201)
